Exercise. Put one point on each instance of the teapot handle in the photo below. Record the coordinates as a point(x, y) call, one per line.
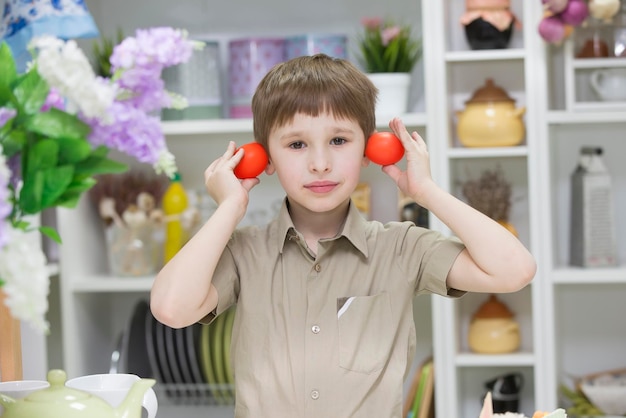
point(596, 79)
point(150, 403)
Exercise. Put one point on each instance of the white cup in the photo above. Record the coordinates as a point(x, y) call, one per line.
point(609, 84)
point(19, 389)
point(113, 388)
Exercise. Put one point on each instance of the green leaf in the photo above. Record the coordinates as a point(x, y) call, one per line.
point(98, 163)
point(51, 233)
point(58, 124)
point(31, 194)
point(73, 150)
point(8, 72)
point(43, 154)
point(31, 92)
point(13, 141)
point(56, 181)
point(72, 194)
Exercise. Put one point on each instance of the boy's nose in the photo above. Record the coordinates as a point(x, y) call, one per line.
point(319, 162)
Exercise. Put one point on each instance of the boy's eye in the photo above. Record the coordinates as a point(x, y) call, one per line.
point(338, 141)
point(296, 145)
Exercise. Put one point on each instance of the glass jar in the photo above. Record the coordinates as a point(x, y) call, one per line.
point(593, 40)
point(132, 251)
point(619, 32)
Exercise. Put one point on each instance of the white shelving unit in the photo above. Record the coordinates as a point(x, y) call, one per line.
point(455, 71)
point(559, 313)
point(579, 93)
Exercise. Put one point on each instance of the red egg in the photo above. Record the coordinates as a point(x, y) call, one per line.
point(384, 148)
point(253, 162)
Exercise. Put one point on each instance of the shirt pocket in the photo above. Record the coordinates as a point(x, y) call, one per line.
point(365, 332)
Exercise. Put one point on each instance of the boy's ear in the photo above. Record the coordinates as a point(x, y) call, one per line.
point(269, 168)
point(365, 162)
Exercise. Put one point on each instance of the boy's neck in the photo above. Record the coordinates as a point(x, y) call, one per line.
point(315, 226)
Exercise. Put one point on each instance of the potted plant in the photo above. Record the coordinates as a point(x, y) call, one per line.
point(388, 53)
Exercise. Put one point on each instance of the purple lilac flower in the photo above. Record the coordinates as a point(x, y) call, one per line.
point(54, 99)
point(6, 114)
point(5, 201)
point(130, 131)
point(159, 47)
point(146, 88)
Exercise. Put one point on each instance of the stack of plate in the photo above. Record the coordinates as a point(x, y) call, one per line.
point(192, 364)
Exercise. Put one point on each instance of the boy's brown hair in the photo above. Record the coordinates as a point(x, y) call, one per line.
point(313, 85)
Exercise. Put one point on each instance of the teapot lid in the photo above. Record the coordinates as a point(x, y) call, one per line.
point(490, 92)
point(57, 392)
point(493, 308)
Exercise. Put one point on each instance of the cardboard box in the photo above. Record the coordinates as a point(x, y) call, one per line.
point(592, 230)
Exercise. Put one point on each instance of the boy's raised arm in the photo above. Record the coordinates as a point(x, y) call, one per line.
point(182, 292)
point(494, 259)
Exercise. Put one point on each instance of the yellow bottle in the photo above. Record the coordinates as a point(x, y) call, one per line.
point(174, 204)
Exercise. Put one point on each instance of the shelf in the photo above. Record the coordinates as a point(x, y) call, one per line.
point(590, 63)
point(563, 117)
point(490, 152)
point(486, 55)
point(493, 360)
point(573, 275)
point(229, 126)
point(110, 284)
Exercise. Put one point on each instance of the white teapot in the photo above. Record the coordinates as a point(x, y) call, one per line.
point(609, 84)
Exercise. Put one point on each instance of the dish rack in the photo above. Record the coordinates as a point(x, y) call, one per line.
point(195, 394)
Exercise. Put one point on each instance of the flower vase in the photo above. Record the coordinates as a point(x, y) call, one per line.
point(393, 93)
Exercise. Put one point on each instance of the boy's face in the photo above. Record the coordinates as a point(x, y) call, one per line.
point(317, 159)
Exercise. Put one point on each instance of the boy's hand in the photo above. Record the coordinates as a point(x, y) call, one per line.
point(221, 182)
point(417, 178)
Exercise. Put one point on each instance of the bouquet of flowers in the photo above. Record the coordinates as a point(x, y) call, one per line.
point(388, 48)
point(58, 122)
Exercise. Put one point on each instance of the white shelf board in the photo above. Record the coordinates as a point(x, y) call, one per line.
point(111, 284)
point(486, 55)
point(495, 360)
point(227, 126)
point(563, 117)
point(580, 275)
point(488, 152)
point(591, 63)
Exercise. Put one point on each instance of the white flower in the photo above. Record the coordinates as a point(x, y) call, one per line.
point(166, 164)
point(26, 280)
point(64, 66)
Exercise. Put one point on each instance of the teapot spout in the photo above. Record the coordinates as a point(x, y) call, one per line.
point(131, 406)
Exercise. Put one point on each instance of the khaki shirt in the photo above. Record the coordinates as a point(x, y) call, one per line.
point(330, 335)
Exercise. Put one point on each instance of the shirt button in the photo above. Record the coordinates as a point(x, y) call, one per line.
point(318, 268)
point(315, 395)
point(316, 329)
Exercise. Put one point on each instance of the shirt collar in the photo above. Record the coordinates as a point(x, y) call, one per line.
point(354, 229)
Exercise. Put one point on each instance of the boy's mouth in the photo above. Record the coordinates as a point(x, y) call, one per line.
point(321, 186)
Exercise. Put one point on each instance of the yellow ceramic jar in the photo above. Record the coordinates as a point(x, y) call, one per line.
point(490, 119)
point(493, 330)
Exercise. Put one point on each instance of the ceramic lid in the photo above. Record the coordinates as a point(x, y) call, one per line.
point(490, 92)
point(57, 391)
point(493, 308)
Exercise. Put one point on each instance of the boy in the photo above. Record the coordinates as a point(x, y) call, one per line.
point(324, 324)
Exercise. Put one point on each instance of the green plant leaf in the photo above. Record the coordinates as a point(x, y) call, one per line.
point(51, 233)
point(31, 194)
point(13, 141)
point(58, 124)
point(8, 72)
point(72, 194)
point(42, 155)
point(55, 182)
point(30, 92)
point(73, 150)
point(99, 163)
